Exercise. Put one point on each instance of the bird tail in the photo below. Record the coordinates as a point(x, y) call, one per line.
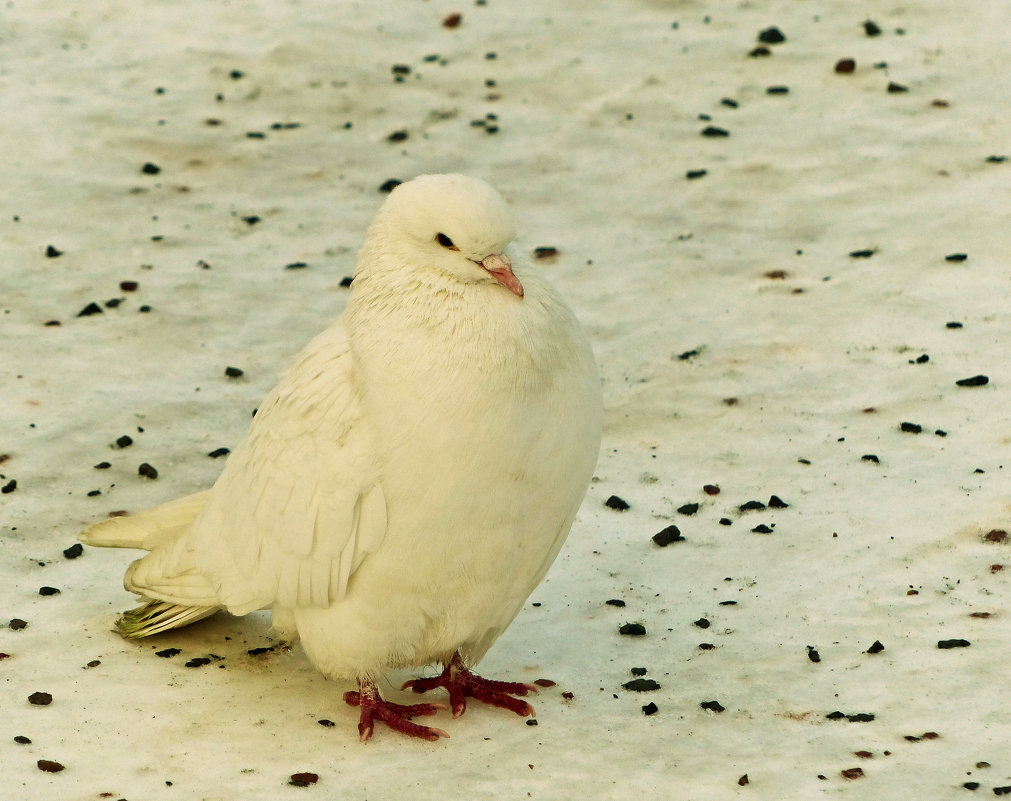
point(173, 593)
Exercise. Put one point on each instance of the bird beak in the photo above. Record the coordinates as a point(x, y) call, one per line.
point(501, 269)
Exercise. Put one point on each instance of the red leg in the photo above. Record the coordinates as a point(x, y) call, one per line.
point(396, 716)
point(461, 683)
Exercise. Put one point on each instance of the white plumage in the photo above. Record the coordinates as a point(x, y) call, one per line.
point(411, 478)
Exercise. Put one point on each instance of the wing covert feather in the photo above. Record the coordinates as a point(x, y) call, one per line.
point(298, 506)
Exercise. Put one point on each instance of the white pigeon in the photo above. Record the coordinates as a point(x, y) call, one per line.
point(410, 480)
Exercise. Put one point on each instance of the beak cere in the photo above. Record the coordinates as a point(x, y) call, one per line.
point(501, 269)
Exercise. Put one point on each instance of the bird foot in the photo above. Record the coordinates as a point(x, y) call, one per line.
point(461, 683)
point(396, 716)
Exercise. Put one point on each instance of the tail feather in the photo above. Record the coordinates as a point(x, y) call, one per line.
point(154, 617)
point(147, 529)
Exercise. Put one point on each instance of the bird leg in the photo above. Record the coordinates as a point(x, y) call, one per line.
point(461, 683)
point(396, 716)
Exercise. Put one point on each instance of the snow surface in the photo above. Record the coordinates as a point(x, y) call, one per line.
point(806, 360)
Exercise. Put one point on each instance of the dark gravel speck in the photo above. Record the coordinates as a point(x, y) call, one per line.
point(876, 647)
point(40, 699)
point(49, 766)
point(325, 723)
point(390, 185)
point(303, 779)
point(813, 654)
point(615, 602)
point(771, 36)
point(52, 252)
point(48, 591)
point(650, 709)
point(233, 372)
point(217, 453)
point(641, 685)
point(866, 253)
point(9, 487)
point(632, 629)
point(702, 623)
point(168, 652)
point(147, 471)
point(638, 671)
point(90, 309)
point(198, 661)
point(73, 551)
point(17, 624)
point(946, 644)
point(975, 381)
point(616, 503)
point(871, 28)
point(667, 536)
point(713, 706)
point(20, 739)
point(124, 441)
point(150, 169)
point(896, 88)
point(296, 265)
point(845, 66)
point(688, 509)
point(910, 428)
point(956, 257)
point(713, 131)
point(761, 528)
point(693, 174)
point(751, 506)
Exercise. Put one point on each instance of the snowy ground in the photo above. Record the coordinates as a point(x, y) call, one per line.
point(742, 345)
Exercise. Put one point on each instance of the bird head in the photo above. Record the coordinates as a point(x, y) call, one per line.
point(455, 225)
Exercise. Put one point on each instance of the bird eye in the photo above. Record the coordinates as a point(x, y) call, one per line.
point(445, 241)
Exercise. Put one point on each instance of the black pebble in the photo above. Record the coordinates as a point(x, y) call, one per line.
point(761, 528)
point(614, 602)
point(198, 661)
point(713, 131)
point(614, 502)
point(945, 644)
point(641, 685)
point(48, 591)
point(975, 381)
point(667, 536)
point(688, 509)
point(532, 721)
point(261, 650)
point(545, 252)
point(147, 471)
point(632, 629)
point(73, 551)
point(346, 281)
point(638, 671)
point(940, 433)
point(876, 647)
point(1005, 790)
point(995, 159)
point(168, 652)
point(860, 717)
point(390, 185)
point(871, 28)
point(702, 623)
point(771, 36)
point(760, 51)
point(9, 487)
point(40, 699)
point(90, 309)
point(397, 136)
point(327, 724)
point(296, 265)
point(813, 654)
point(729, 102)
point(712, 706)
point(20, 739)
point(910, 428)
point(693, 174)
point(775, 502)
point(233, 372)
point(751, 506)
point(777, 90)
point(953, 325)
point(252, 219)
point(17, 624)
point(837, 715)
point(53, 253)
point(402, 69)
point(870, 457)
point(897, 88)
point(150, 169)
point(726, 521)
point(706, 646)
point(650, 709)
point(219, 452)
point(956, 257)
point(124, 441)
point(862, 254)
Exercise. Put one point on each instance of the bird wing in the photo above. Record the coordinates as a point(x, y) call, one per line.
point(298, 506)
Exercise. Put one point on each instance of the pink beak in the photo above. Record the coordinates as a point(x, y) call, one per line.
point(501, 269)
